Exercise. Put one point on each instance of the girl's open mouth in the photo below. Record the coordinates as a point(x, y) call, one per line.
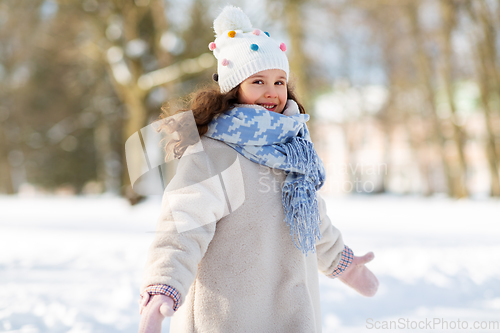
point(270, 107)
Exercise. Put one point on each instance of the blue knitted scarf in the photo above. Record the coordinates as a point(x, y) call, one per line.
point(279, 141)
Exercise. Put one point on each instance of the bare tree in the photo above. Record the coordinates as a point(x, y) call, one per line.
point(128, 39)
point(487, 78)
point(449, 12)
point(292, 12)
point(18, 44)
point(424, 66)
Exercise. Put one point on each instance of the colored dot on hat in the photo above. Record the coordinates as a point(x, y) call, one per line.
point(254, 47)
point(283, 47)
point(211, 46)
point(224, 62)
point(267, 33)
point(231, 33)
point(256, 32)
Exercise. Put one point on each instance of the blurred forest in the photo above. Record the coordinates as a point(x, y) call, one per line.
point(79, 77)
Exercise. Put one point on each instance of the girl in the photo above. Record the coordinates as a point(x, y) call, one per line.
point(232, 252)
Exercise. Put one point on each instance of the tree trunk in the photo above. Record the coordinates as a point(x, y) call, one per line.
point(490, 46)
point(6, 185)
point(424, 70)
point(490, 136)
point(484, 69)
point(137, 113)
point(460, 172)
point(297, 57)
point(161, 26)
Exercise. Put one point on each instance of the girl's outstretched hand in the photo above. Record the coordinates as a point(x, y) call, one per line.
point(153, 310)
point(360, 278)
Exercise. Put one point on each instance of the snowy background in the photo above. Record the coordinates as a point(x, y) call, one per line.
point(75, 264)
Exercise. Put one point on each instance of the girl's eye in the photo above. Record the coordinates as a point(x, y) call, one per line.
point(280, 83)
point(258, 81)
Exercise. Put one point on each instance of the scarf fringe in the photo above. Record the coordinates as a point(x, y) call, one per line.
point(302, 215)
point(299, 196)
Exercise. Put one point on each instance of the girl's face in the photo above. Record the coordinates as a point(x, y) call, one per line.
point(266, 88)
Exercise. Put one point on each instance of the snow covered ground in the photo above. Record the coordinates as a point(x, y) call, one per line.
point(75, 264)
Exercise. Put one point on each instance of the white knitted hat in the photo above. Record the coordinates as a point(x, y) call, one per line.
point(241, 50)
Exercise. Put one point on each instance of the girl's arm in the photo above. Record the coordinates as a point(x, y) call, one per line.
point(333, 255)
point(192, 204)
point(337, 260)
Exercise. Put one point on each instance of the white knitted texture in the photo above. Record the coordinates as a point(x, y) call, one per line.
point(231, 18)
point(243, 61)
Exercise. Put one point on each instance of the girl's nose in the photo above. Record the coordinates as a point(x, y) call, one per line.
point(271, 92)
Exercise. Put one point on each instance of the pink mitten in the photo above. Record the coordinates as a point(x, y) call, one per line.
point(153, 310)
point(360, 278)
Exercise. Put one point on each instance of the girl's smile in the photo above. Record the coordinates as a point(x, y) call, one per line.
point(266, 88)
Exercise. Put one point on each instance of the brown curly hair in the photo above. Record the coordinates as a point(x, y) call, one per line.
point(205, 105)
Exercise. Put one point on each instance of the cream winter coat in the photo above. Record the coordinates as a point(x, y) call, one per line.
point(241, 272)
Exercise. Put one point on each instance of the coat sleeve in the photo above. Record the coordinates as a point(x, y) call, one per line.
point(192, 203)
point(330, 247)
point(162, 289)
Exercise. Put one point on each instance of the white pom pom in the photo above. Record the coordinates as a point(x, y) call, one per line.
point(231, 18)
